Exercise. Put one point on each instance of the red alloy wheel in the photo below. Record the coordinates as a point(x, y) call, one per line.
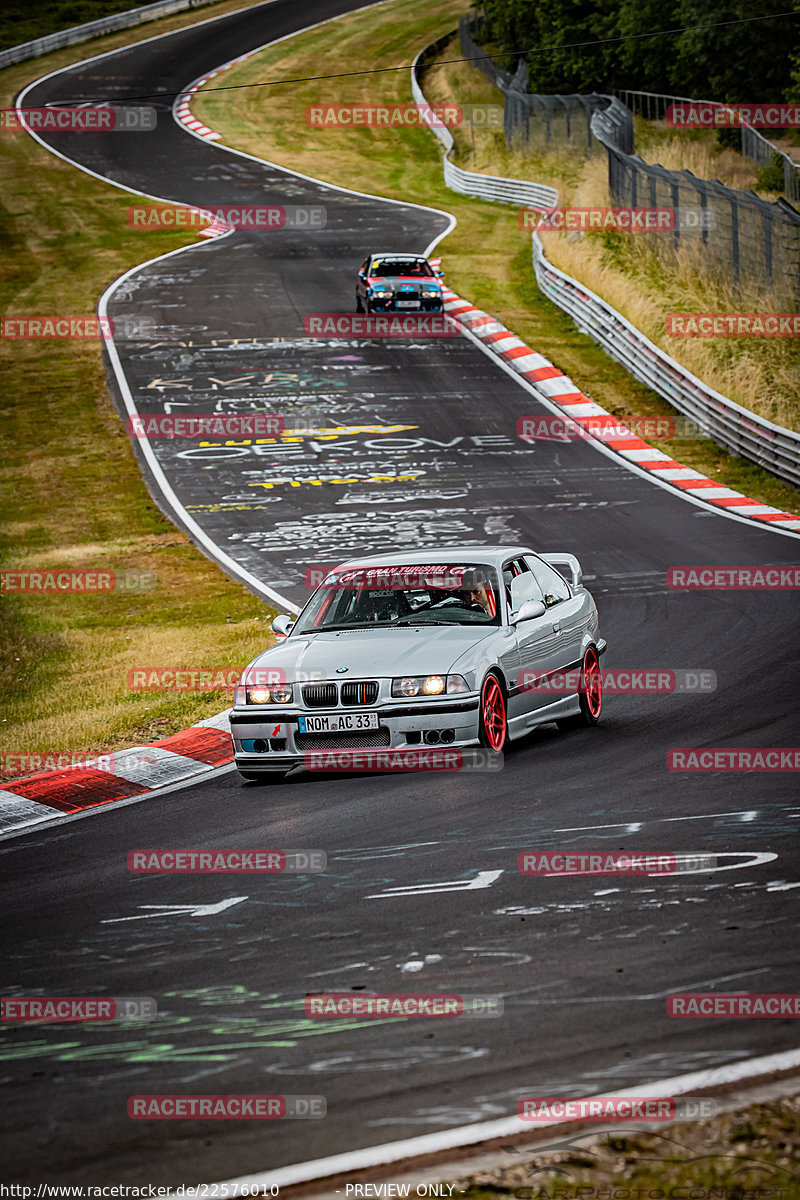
point(493, 729)
point(593, 683)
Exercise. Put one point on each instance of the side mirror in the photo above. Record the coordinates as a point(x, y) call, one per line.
point(282, 624)
point(529, 610)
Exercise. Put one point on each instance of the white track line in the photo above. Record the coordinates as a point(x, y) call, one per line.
point(468, 1135)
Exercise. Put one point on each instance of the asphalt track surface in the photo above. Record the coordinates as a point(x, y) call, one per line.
point(584, 965)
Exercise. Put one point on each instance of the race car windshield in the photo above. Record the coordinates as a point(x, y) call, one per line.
point(401, 266)
point(396, 597)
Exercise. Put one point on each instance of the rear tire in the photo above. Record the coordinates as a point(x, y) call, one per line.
point(591, 695)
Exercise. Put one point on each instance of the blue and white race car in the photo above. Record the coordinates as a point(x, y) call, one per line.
point(455, 647)
point(398, 283)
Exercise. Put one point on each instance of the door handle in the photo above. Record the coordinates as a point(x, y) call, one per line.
point(556, 627)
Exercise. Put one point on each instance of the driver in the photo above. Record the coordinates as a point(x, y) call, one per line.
point(476, 596)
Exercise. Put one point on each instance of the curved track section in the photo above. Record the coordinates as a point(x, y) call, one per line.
point(421, 893)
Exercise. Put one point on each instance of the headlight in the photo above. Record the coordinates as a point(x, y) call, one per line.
point(280, 694)
point(435, 294)
point(428, 685)
point(380, 292)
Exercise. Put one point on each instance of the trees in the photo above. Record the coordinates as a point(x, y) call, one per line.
point(748, 62)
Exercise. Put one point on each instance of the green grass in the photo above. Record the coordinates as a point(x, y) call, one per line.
point(71, 492)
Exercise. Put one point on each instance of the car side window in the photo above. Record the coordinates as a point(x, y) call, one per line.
point(362, 270)
point(521, 584)
point(553, 586)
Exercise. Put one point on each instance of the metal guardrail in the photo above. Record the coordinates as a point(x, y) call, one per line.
point(498, 189)
point(739, 430)
point(726, 422)
point(94, 29)
point(469, 183)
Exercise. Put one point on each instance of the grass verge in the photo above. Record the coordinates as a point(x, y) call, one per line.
point(71, 491)
point(486, 257)
point(749, 1154)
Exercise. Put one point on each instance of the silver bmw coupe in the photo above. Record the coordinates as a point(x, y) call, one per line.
point(457, 646)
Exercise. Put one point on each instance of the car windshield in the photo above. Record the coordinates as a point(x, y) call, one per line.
point(401, 266)
point(395, 597)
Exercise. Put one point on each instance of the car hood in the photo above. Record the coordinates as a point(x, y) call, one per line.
point(392, 280)
point(372, 652)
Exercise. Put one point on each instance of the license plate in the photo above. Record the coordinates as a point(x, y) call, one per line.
point(339, 723)
point(408, 303)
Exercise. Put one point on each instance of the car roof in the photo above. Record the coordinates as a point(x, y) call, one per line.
point(492, 555)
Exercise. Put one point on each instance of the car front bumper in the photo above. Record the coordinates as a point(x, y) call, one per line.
point(268, 739)
point(377, 306)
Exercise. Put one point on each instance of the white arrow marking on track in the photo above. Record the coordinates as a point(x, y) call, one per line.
point(179, 910)
point(483, 879)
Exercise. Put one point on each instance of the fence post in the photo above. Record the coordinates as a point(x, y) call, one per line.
point(735, 238)
point(676, 204)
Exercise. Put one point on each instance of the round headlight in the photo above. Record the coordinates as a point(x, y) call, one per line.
point(282, 695)
point(433, 685)
point(259, 695)
point(409, 687)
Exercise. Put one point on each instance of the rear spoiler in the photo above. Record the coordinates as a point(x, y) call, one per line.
point(565, 560)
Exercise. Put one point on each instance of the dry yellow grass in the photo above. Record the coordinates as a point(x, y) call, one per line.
point(762, 374)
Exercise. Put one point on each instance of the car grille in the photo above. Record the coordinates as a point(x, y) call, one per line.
point(319, 695)
point(359, 693)
point(342, 741)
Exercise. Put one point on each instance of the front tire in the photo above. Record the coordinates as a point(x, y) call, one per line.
point(492, 714)
point(591, 694)
point(359, 305)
